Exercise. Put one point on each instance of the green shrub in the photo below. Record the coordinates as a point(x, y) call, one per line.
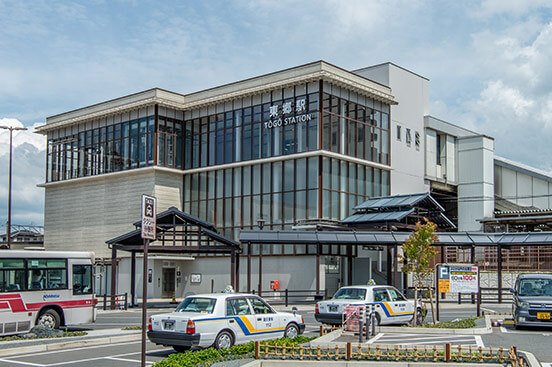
point(136, 327)
point(204, 356)
point(23, 337)
point(460, 324)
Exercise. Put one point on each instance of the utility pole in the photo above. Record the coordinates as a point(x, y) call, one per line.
point(8, 229)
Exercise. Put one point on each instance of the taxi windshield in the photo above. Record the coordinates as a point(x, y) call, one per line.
point(351, 293)
point(196, 304)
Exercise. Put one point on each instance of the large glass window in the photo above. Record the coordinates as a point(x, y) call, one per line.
point(354, 129)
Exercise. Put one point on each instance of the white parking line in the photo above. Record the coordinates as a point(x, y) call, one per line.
point(487, 309)
point(441, 342)
point(22, 363)
point(375, 338)
point(128, 360)
point(479, 341)
point(74, 349)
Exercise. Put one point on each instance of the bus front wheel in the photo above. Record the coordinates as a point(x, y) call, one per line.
point(49, 318)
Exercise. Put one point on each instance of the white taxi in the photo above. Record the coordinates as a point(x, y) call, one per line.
point(391, 306)
point(222, 320)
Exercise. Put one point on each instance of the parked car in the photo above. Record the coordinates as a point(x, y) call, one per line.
point(532, 300)
point(391, 306)
point(222, 320)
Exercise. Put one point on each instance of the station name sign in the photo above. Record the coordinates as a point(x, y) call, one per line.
point(280, 114)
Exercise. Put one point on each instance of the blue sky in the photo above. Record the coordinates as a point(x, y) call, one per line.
point(488, 61)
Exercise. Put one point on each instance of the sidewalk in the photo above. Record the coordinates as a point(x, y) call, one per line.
point(93, 337)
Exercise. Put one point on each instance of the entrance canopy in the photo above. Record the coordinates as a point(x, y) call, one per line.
point(177, 233)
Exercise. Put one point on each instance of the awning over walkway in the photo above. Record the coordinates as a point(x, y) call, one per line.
point(394, 238)
point(391, 240)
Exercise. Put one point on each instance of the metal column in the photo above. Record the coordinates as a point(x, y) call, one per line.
point(133, 279)
point(113, 275)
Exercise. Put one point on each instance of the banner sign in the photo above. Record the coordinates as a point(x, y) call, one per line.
point(457, 278)
point(148, 217)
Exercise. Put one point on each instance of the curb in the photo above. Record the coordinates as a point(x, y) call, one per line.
point(67, 344)
point(530, 358)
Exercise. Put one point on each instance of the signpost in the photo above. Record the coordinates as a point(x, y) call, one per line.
point(457, 278)
point(149, 226)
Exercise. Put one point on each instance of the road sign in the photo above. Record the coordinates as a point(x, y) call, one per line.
point(458, 278)
point(149, 204)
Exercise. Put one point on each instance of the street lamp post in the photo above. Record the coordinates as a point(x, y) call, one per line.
point(8, 229)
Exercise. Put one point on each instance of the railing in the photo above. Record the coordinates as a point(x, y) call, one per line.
point(445, 353)
point(488, 295)
point(286, 296)
point(121, 301)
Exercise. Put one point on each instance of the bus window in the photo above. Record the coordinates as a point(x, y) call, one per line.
point(12, 275)
point(47, 274)
point(82, 279)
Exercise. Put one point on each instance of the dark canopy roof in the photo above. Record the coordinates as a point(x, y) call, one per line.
point(399, 201)
point(178, 232)
point(394, 238)
point(400, 211)
point(169, 215)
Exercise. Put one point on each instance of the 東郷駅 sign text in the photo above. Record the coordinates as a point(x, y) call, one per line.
point(278, 114)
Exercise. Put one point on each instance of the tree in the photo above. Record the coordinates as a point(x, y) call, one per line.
point(418, 254)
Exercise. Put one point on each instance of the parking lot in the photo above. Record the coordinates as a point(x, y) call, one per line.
point(126, 354)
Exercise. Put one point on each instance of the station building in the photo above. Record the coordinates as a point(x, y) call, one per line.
point(297, 148)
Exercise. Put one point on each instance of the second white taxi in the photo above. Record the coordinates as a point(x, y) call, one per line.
point(391, 306)
point(222, 320)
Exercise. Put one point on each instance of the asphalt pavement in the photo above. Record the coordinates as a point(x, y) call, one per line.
point(536, 341)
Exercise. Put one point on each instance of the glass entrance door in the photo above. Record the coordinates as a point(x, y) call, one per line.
point(168, 282)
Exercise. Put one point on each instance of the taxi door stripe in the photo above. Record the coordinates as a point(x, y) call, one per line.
point(388, 311)
point(244, 324)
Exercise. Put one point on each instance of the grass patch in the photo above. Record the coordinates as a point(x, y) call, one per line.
point(460, 324)
point(23, 337)
point(206, 357)
point(135, 327)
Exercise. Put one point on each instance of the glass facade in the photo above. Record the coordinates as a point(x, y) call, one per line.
point(306, 119)
point(354, 125)
point(89, 149)
point(242, 130)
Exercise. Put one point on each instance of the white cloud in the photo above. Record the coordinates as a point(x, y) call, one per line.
point(20, 137)
point(28, 170)
point(501, 100)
